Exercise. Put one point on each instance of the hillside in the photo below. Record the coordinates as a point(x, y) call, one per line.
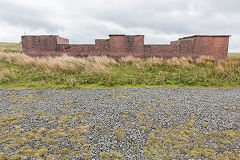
point(19, 71)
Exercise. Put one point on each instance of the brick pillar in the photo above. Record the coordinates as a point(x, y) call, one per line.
point(216, 46)
point(138, 44)
point(118, 44)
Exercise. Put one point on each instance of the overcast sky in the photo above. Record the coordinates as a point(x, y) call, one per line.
point(82, 21)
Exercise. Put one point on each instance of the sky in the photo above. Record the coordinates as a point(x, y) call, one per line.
point(82, 21)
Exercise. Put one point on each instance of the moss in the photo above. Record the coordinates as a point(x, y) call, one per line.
point(10, 147)
point(136, 150)
point(142, 123)
point(120, 133)
point(68, 102)
point(83, 129)
point(86, 145)
point(204, 126)
point(4, 140)
point(87, 157)
point(110, 155)
point(140, 114)
point(190, 125)
point(65, 118)
point(93, 148)
point(54, 148)
point(41, 152)
point(228, 108)
point(224, 142)
point(145, 129)
point(121, 96)
point(20, 141)
point(174, 119)
point(42, 130)
point(50, 157)
point(115, 155)
point(78, 140)
point(127, 124)
point(88, 112)
point(125, 117)
point(49, 141)
point(140, 102)
point(79, 113)
point(2, 156)
point(170, 143)
point(154, 104)
point(39, 113)
point(16, 157)
point(84, 122)
point(105, 155)
point(97, 128)
point(64, 151)
point(64, 110)
point(186, 132)
point(194, 153)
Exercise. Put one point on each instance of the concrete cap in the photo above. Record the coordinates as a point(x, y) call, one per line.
point(123, 35)
point(206, 36)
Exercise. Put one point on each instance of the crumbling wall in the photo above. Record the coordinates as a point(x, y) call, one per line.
point(122, 45)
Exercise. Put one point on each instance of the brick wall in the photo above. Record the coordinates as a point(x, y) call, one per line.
point(122, 45)
point(61, 40)
point(37, 45)
point(214, 46)
point(102, 45)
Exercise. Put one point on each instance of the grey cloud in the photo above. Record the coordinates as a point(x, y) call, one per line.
point(82, 21)
point(21, 15)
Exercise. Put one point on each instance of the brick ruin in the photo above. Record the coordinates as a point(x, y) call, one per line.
point(128, 45)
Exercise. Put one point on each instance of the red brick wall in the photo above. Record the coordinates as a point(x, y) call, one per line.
point(102, 45)
point(121, 45)
point(76, 50)
point(61, 40)
point(158, 51)
point(212, 46)
point(32, 45)
point(138, 44)
point(118, 44)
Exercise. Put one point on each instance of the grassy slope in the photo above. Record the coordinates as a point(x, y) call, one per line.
point(10, 47)
point(21, 72)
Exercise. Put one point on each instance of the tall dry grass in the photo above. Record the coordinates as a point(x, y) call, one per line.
point(6, 75)
point(99, 64)
point(183, 61)
point(72, 71)
point(68, 63)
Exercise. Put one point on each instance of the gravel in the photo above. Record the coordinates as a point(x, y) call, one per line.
point(217, 109)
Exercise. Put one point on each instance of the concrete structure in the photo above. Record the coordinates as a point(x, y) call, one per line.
point(125, 45)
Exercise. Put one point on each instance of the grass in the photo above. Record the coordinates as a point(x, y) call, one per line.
point(11, 47)
point(18, 71)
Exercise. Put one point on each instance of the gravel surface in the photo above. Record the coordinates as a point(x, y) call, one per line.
point(120, 123)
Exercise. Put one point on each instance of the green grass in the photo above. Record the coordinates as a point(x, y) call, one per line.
point(18, 71)
point(11, 47)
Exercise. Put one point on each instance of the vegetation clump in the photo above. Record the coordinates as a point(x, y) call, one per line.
point(120, 133)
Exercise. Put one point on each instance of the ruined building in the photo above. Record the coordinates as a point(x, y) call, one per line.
point(128, 45)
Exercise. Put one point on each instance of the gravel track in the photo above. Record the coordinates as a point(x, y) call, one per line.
point(118, 112)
